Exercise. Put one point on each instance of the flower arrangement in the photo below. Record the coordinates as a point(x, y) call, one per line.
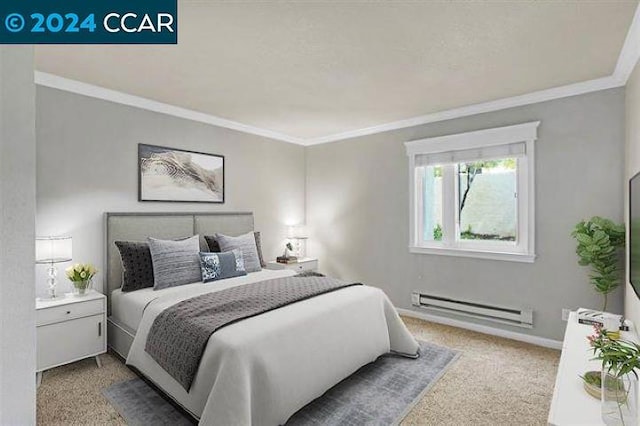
point(618, 356)
point(619, 380)
point(80, 275)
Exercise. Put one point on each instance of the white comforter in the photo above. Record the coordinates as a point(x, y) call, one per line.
point(261, 370)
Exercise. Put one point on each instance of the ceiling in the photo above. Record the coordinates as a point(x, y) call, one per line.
point(312, 69)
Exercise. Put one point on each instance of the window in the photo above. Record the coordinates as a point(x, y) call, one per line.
point(472, 194)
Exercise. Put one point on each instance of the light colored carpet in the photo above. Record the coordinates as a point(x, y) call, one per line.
point(494, 382)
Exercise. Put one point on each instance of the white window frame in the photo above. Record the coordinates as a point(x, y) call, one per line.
point(524, 248)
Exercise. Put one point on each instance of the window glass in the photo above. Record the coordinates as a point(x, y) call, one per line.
point(487, 200)
point(432, 203)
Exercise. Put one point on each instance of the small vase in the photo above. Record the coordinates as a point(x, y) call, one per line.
point(80, 288)
point(619, 398)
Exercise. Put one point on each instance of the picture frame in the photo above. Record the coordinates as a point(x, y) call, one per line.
point(176, 175)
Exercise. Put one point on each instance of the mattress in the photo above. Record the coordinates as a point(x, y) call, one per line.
point(128, 308)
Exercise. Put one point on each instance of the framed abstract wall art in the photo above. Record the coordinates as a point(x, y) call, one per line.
point(177, 175)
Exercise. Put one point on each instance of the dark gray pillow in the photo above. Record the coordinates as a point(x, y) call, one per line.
point(175, 262)
point(137, 267)
point(259, 247)
point(218, 266)
point(245, 243)
point(214, 247)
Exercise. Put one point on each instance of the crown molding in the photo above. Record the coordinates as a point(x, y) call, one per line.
point(497, 105)
point(73, 86)
point(627, 60)
point(630, 52)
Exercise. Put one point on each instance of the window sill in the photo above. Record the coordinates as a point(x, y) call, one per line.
point(478, 254)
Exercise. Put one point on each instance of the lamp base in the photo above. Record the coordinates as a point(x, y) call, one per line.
point(52, 281)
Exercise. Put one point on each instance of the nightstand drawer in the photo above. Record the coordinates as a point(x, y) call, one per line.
point(69, 341)
point(69, 311)
point(304, 266)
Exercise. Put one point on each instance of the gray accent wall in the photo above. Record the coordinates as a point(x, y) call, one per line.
point(17, 224)
point(88, 165)
point(358, 211)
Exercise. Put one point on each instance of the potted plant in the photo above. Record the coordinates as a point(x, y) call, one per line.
point(599, 242)
point(619, 377)
point(80, 276)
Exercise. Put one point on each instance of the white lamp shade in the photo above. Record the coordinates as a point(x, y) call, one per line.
point(53, 249)
point(297, 232)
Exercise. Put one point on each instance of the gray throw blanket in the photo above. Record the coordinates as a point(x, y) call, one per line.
point(179, 334)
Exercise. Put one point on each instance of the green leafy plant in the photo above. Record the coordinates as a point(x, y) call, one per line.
point(599, 242)
point(619, 358)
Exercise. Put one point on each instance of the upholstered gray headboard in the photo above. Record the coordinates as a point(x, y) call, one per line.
point(139, 226)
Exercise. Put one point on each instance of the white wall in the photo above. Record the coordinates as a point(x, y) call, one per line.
point(632, 124)
point(87, 165)
point(17, 218)
point(358, 209)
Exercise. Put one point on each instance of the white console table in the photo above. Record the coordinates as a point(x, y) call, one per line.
point(571, 405)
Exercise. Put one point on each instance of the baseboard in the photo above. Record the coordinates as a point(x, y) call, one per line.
point(521, 337)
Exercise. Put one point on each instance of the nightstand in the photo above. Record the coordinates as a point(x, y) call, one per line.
point(70, 328)
point(304, 264)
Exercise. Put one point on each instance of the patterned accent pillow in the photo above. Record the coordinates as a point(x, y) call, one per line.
point(137, 267)
point(175, 262)
point(214, 247)
point(245, 243)
point(218, 266)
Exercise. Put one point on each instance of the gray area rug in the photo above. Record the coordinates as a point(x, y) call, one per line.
point(380, 393)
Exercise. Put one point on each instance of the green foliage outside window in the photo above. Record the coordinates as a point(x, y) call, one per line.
point(437, 233)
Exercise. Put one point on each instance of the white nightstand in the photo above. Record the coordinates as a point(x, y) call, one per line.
point(304, 264)
point(70, 328)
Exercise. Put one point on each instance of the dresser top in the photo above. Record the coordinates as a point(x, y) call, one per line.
point(67, 298)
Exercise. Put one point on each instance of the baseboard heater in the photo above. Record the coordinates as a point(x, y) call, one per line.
point(512, 316)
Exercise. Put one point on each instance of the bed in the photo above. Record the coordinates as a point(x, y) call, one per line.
point(263, 369)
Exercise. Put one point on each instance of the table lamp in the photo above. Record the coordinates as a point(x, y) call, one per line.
point(298, 236)
point(52, 250)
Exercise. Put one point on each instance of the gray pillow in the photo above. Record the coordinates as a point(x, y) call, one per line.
point(175, 262)
point(246, 244)
point(218, 266)
point(259, 247)
point(214, 247)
